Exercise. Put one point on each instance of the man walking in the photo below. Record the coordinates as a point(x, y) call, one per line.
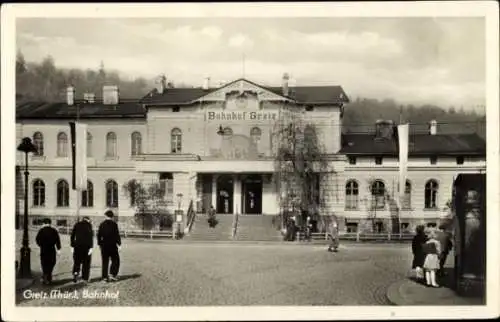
point(82, 243)
point(50, 244)
point(108, 239)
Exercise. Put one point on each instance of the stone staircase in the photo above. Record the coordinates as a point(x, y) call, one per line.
point(257, 228)
point(202, 232)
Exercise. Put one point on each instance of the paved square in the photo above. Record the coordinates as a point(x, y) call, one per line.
point(171, 273)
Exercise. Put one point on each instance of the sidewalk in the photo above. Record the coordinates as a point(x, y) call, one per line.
point(409, 292)
point(23, 283)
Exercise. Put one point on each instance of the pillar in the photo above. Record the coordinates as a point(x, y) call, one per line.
point(236, 194)
point(214, 191)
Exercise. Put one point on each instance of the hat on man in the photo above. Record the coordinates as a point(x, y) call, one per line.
point(109, 214)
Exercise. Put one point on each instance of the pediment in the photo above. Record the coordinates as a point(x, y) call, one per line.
point(242, 87)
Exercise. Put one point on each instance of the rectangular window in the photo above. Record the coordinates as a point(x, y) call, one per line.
point(61, 222)
point(405, 227)
point(352, 160)
point(378, 160)
point(433, 160)
point(352, 227)
point(460, 160)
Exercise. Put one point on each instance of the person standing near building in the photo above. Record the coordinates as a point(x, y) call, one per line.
point(49, 242)
point(444, 238)
point(333, 235)
point(418, 252)
point(108, 239)
point(82, 243)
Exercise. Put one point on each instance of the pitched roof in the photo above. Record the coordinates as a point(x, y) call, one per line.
point(301, 94)
point(419, 144)
point(61, 110)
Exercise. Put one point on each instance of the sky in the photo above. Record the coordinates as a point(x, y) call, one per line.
point(412, 60)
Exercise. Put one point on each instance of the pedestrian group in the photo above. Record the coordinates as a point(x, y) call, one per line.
point(430, 249)
point(82, 245)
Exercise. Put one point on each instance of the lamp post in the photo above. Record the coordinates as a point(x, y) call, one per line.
point(26, 146)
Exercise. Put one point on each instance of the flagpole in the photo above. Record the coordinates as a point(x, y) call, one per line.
point(78, 193)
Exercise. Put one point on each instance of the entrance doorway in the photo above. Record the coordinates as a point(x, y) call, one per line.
point(252, 195)
point(225, 189)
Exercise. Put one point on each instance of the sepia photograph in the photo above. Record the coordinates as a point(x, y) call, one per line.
point(299, 157)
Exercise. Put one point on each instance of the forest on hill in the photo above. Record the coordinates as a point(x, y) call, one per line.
point(44, 81)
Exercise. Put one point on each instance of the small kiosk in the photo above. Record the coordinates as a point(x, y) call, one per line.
point(469, 202)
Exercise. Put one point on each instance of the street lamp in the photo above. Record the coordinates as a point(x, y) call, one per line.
point(26, 146)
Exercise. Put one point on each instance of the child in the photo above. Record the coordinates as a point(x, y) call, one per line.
point(431, 264)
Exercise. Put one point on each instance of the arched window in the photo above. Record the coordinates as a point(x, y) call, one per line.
point(62, 145)
point(378, 194)
point(136, 143)
point(431, 190)
point(255, 134)
point(88, 195)
point(111, 145)
point(351, 194)
point(89, 145)
point(38, 142)
point(406, 202)
point(111, 194)
point(62, 193)
point(38, 193)
point(176, 140)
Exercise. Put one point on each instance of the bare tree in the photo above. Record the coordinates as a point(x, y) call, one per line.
point(300, 161)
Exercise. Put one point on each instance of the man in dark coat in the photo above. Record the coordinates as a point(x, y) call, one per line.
point(108, 239)
point(418, 253)
point(444, 237)
point(50, 245)
point(82, 243)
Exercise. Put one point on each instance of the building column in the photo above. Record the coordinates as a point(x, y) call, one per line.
point(236, 194)
point(214, 191)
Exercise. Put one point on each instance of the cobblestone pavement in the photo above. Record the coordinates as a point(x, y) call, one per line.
point(178, 273)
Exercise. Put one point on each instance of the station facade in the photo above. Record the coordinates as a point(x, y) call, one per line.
point(216, 147)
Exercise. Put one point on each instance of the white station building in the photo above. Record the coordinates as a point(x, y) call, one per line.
point(173, 136)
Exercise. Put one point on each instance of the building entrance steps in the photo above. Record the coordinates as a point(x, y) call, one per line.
point(257, 228)
point(201, 230)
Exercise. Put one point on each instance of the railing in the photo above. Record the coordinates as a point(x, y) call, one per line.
point(235, 225)
point(363, 237)
point(151, 234)
point(191, 215)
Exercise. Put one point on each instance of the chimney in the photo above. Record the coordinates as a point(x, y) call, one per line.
point(285, 79)
point(163, 84)
point(89, 97)
point(206, 83)
point(110, 94)
point(70, 95)
point(433, 127)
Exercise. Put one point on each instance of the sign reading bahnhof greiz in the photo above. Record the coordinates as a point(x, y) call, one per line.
point(241, 116)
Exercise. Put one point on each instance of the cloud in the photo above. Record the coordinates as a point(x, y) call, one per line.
point(409, 59)
point(240, 40)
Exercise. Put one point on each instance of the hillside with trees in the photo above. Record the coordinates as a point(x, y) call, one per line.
point(44, 81)
point(361, 114)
